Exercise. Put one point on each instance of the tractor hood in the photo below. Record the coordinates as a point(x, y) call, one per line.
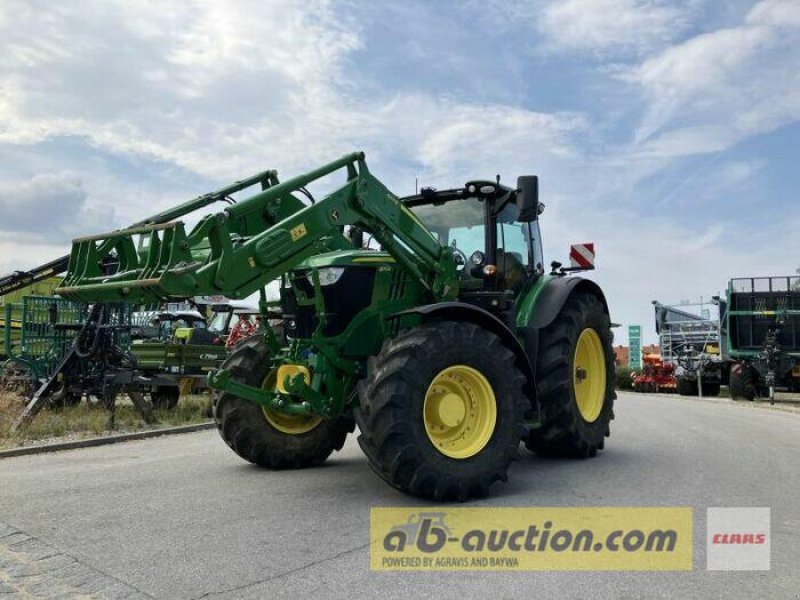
point(346, 258)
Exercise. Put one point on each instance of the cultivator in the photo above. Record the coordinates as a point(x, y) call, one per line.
point(655, 376)
point(431, 344)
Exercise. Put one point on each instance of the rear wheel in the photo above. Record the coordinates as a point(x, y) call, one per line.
point(711, 388)
point(742, 383)
point(575, 380)
point(265, 437)
point(688, 387)
point(441, 411)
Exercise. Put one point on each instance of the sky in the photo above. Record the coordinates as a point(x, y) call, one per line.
point(667, 133)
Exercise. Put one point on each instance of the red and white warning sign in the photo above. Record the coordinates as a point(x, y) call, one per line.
point(581, 256)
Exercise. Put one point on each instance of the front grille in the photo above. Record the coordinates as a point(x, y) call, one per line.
point(343, 301)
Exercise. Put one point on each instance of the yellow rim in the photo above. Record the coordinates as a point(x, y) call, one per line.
point(288, 424)
point(460, 412)
point(589, 375)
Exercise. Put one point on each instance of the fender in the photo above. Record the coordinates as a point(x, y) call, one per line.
point(461, 311)
point(555, 294)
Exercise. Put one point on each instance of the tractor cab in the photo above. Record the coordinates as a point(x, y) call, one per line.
point(493, 231)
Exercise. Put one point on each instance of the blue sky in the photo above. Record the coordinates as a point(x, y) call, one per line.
point(665, 132)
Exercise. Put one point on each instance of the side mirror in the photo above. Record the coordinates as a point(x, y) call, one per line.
point(528, 198)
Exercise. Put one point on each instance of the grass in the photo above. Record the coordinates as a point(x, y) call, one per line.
point(84, 421)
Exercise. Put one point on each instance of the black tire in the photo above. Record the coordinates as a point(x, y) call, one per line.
point(244, 427)
point(711, 389)
point(391, 411)
point(564, 431)
point(688, 387)
point(742, 383)
point(165, 397)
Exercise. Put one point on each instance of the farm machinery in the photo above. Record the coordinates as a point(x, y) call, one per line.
point(655, 376)
point(60, 350)
point(762, 329)
point(691, 345)
point(448, 345)
point(11, 311)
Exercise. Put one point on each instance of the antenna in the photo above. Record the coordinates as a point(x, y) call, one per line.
point(416, 186)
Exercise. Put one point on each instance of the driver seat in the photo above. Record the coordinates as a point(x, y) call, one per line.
point(510, 268)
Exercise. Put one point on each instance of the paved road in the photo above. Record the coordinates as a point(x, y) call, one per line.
point(183, 517)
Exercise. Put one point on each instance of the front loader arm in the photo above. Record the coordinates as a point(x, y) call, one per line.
point(238, 251)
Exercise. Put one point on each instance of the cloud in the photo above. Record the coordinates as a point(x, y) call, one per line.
point(611, 27)
point(599, 29)
point(713, 90)
point(194, 83)
point(49, 207)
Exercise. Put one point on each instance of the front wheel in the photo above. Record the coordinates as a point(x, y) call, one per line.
point(266, 437)
point(441, 411)
point(575, 380)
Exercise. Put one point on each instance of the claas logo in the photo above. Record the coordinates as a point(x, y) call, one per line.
point(739, 538)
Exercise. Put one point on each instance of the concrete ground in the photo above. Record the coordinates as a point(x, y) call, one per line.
point(183, 517)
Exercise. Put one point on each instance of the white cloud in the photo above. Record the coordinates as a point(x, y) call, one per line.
point(611, 27)
point(204, 85)
point(213, 89)
point(715, 89)
point(49, 207)
point(601, 29)
point(775, 13)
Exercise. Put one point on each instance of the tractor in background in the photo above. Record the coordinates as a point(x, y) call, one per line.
point(449, 345)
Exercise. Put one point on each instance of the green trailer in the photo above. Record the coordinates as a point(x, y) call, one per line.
point(11, 307)
point(762, 333)
point(449, 345)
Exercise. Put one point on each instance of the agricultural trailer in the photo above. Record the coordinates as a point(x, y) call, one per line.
point(690, 341)
point(11, 307)
point(762, 330)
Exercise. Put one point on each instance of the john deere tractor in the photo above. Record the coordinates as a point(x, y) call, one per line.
point(429, 321)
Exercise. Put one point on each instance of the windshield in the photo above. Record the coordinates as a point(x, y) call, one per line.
point(458, 223)
point(218, 322)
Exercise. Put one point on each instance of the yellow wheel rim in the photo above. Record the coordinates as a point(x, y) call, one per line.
point(460, 412)
point(589, 375)
point(288, 424)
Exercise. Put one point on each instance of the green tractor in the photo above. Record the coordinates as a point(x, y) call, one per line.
point(428, 321)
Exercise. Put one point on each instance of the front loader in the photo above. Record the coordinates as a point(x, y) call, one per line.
point(448, 345)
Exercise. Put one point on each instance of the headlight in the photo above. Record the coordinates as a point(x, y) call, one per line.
point(477, 258)
point(327, 276)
